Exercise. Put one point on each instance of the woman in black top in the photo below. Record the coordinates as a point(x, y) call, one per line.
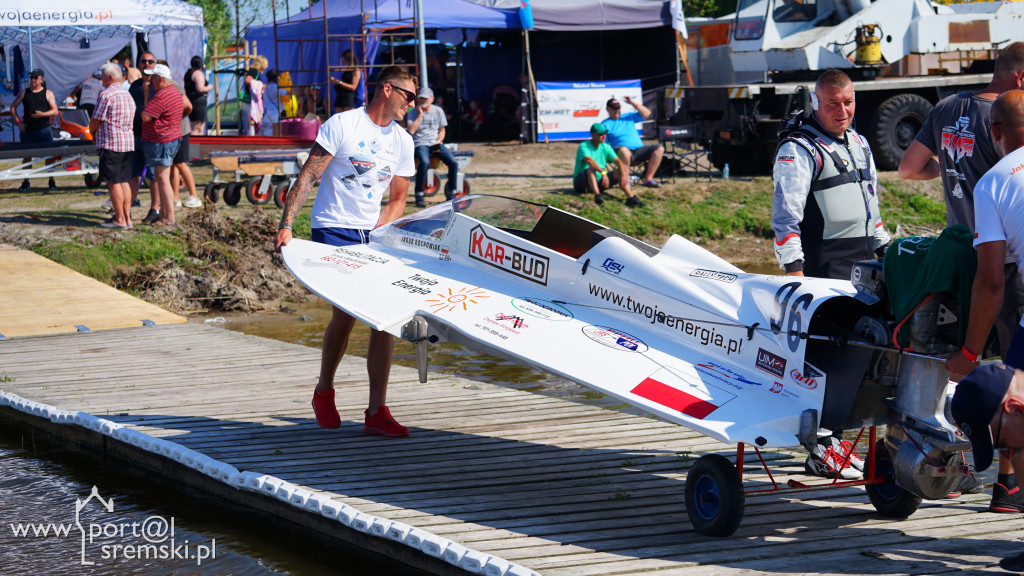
point(345, 89)
point(195, 90)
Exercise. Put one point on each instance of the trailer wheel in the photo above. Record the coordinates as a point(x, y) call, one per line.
point(233, 193)
point(430, 188)
point(212, 192)
point(888, 497)
point(714, 496)
point(893, 127)
point(92, 181)
point(252, 192)
point(281, 193)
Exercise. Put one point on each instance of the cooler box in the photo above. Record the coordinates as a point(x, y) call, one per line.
point(300, 128)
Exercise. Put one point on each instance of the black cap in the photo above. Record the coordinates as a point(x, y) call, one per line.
point(977, 399)
point(37, 73)
point(612, 103)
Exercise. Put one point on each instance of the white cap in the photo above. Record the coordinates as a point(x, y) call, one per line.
point(160, 70)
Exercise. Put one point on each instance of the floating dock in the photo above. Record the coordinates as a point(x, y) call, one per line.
point(491, 481)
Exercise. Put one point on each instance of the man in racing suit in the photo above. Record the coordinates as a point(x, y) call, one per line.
point(825, 215)
point(825, 209)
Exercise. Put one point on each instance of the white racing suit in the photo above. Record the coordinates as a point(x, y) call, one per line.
point(825, 207)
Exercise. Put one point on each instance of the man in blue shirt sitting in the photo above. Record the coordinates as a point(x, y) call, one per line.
point(623, 138)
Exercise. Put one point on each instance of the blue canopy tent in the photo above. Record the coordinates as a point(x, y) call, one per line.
point(348, 17)
point(297, 43)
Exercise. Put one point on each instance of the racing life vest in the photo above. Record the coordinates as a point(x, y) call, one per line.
point(841, 212)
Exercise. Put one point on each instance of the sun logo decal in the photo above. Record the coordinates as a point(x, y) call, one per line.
point(456, 299)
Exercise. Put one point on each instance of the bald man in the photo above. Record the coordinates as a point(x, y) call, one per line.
point(999, 225)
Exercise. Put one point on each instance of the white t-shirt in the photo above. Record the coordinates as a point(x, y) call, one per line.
point(91, 89)
point(999, 206)
point(366, 157)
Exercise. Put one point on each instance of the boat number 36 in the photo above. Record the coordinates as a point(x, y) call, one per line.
point(787, 314)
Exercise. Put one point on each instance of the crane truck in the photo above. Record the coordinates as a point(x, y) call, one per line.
point(903, 56)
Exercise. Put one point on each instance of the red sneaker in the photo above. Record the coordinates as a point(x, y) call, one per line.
point(323, 408)
point(383, 423)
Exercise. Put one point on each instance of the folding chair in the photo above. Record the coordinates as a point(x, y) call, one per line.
point(683, 150)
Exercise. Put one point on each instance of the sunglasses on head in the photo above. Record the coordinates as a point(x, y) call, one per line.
point(410, 97)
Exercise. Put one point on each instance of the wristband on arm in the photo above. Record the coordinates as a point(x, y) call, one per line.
point(970, 356)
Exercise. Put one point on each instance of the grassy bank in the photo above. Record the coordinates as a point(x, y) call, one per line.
point(729, 217)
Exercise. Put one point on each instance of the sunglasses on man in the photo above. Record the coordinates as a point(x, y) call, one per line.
point(410, 97)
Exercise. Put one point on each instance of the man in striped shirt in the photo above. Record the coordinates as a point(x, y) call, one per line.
point(161, 137)
point(112, 125)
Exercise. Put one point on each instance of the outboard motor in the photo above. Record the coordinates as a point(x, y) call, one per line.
point(925, 448)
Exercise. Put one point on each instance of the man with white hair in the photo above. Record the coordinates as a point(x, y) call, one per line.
point(161, 137)
point(112, 125)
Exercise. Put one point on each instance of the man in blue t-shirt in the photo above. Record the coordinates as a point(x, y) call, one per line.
point(598, 168)
point(623, 138)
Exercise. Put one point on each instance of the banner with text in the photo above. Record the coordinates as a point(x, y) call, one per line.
point(567, 109)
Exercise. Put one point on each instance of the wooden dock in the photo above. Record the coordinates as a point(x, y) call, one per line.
point(558, 487)
point(42, 297)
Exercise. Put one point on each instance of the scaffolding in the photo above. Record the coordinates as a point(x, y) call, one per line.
point(389, 33)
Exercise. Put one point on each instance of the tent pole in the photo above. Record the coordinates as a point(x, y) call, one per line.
point(31, 65)
point(534, 117)
point(421, 44)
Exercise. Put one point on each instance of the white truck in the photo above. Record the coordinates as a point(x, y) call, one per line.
point(903, 55)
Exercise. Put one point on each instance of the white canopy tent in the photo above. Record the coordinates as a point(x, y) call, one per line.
point(69, 43)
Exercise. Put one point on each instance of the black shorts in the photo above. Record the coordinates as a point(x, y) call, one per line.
point(182, 156)
point(198, 113)
point(579, 183)
point(115, 167)
point(643, 153)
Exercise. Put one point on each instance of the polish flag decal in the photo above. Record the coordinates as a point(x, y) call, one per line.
point(676, 392)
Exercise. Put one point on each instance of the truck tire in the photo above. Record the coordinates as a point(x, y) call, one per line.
point(893, 127)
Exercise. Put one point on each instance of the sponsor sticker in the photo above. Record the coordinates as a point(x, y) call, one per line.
point(615, 339)
point(714, 275)
point(451, 300)
point(416, 284)
point(725, 375)
point(543, 309)
point(612, 266)
point(771, 363)
point(805, 381)
point(508, 257)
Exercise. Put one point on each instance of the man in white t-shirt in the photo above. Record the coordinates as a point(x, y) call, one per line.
point(358, 156)
point(999, 226)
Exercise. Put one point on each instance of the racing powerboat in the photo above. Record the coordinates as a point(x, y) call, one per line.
point(757, 360)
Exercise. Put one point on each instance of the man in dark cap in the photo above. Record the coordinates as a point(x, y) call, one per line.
point(988, 407)
point(39, 107)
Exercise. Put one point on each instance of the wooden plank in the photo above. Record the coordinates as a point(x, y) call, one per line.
point(561, 487)
point(42, 297)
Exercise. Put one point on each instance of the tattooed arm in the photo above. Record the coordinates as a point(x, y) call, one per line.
point(299, 192)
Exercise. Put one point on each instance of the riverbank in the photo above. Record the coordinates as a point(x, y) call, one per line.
point(223, 259)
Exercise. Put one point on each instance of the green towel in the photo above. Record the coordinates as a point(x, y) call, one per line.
point(917, 266)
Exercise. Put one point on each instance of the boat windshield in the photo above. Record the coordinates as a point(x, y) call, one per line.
point(543, 225)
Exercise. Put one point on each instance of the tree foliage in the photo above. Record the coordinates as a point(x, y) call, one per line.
point(708, 8)
point(217, 19)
